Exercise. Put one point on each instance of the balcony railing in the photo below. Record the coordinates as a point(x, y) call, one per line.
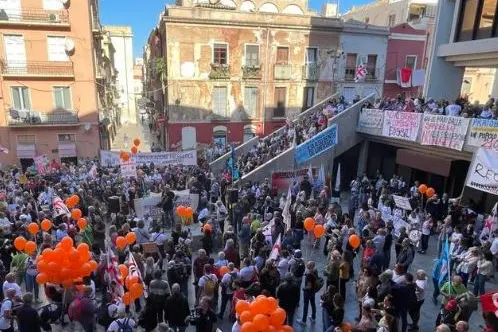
point(373, 74)
point(38, 68)
point(36, 16)
point(350, 73)
point(310, 72)
point(219, 71)
point(30, 118)
point(252, 72)
point(283, 72)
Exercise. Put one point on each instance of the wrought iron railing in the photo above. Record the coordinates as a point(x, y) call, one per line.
point(30, 118)
point(310, 72)
point(37, 68)
point(219, 71)
point(31, 15)
point(252, 72)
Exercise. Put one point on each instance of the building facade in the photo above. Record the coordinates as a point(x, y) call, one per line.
point(122, 38)
point(229, 71)
point(49, 94)
point(138, 78)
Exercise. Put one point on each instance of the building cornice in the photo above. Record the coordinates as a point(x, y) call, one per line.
point(407, 36)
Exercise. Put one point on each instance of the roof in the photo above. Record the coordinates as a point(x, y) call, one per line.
point(406, 28)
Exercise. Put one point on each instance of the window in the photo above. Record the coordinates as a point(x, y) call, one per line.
point(282, 55)
point(252, 55)
point(411, 62)
point(279, 110)
point(308, 97)
point(467, 19)
point(66, 138)
point(57, 49)
point(220, 100)
point(311, 55)
point(371, 66)
point(486, 19)
point(391, 21)
point(251, 101)
point(62, 97)
point(350, 65)
point(20, 98)
point(220, 54)
point(26, 139)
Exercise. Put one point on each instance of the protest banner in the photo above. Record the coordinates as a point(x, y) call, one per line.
point(319, 143)
point(41, 164)
point(148, 205)
point(401, 125)
point(444, 131)
point(396, 219)
point(483, 171)
point(370, 121)
point(280, 181)
point(128, 169)
point(402, 202)
point(483, 133)
point(187, 158)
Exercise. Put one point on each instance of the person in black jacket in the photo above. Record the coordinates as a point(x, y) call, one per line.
point(177, 309)
point(28, 319)
point(405, 299)
point(288, 297)
point(388, 241)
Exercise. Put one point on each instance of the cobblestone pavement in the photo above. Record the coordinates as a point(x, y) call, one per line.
point(132, 131)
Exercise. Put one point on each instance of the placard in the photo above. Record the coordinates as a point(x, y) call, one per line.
point(109, 158)
point(401, 125)
point(187, 158)
point(128, 169)
point(319, 143)
point(402, 202)
point(148, 205)
point(444, 131)
point(483, 133)
point(370, 121)
point(150, 248)
point(483, 171)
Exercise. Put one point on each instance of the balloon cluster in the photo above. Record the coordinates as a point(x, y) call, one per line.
point(123, 241)
point(65, 264)
point(309, 225)
point(72, 201)
point(427, 191)
point(76, 213)
point(185, 213)
point(263, 314)
point(136, 144)
point(29, 247)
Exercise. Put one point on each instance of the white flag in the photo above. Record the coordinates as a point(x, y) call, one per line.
point(275, 251)
point(113, 276)
point(286, 210)
point(59, 207)
point(321, 176)
point(310, 174)
point(337, 186)
point(133, 269)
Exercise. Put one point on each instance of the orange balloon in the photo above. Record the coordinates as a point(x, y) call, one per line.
point(277, 317)
point(248, 327)
point(260, 322)
point(73, 255)
point(123, 270)
point(48, 254)
point(121, 154)
point(121, 242)
point(67, 283)
point(223, 270)
point(246, 316)
point(309, 224)
point(33, 228)
point(257, 307)
point(136, 141)
point(66, 243)
point(82, 223)
point(86, 269)
point(76, 199)
point(19, 243)
point(127, 298)
point(207, 227)
point(354, 241)
point(273, 304)
point(93, 265)
point(30, 247)
point(271, 328)
point(83, 247)
point(126, 156)
point(318, 231)
point(134, 150)
point(136, 290)
point(422, 188)
point(130, 281)
point(179, 210)
point(46, 225)
point(42, 266)
point(241, 306)
point(130, 238)
point(430, 192)
point(189, 212)
point(84, 256)
point(76, 214)
point(287, 328)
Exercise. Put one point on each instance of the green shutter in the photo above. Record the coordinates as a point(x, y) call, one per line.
point(67, 98)
point(59, 102)
point(26, 100)
point(16, 98)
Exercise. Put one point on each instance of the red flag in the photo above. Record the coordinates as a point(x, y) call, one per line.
point(489, 302)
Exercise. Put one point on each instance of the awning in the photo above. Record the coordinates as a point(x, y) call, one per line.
point(67, 150)
point(25, 150)
point(424, 162)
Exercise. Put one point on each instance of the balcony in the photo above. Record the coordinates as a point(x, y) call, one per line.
point(373, 74)
point(31, 16)
point(22, 118)
point(251, 72)
point(349, 73)
point(310, 72)
point(219, 72)
point(283, 72)
point(37, 69)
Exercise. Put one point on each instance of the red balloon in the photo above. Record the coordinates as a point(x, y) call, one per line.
point(66, 242)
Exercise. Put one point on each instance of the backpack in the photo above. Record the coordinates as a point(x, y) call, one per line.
point(300, 268)
point(318, 283)
point(209, 287)
point(231, 285)
point(74, 309)
point(124, 326)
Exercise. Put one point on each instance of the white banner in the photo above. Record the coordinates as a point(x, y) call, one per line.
point(483, 133)
point(396, 220)
point(188, 158)
point(128, 169)
point(370, 121)
point(401, 125)
point(148, 205)
point(445, 131)
point(402, 202)
point(483, 171)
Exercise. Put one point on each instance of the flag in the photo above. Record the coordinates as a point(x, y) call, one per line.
point(441, 269)
point(321, 176)
point(113, 275)
point(133, 267)
point(489, 302)
point(286, 210)
point(93, 172)
point(267, 233)
point(59, 207)
point(337, 186)
point(310, 174)
point(361, 73)
point(275, 251)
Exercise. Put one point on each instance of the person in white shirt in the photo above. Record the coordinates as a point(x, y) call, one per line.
point(120, 322)
point(420, 285)
point(283, 264)
point(10, 283)
point(158, 237)
point(207, 283)
point(5, 224)
point(453, 109)
point(141, 233)
point(5, 311)
point(227, 288)
point(426, 233)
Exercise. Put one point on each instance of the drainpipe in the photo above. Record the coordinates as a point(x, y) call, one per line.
point(265, 90)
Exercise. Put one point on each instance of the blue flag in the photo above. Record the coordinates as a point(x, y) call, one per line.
point(440, 271)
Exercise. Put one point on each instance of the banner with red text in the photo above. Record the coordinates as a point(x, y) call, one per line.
point(401, 125)
point(445, 131)
point(280, 181)
point(483, 171)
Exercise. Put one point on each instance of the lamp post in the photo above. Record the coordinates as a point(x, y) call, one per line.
point(335, 54)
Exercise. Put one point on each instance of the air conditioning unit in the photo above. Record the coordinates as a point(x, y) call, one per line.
point(53, 18)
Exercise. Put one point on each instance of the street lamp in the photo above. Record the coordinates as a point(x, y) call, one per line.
point(335, 54)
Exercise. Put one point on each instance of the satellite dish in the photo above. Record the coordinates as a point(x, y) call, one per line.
point(69, 46)
point(87, 126)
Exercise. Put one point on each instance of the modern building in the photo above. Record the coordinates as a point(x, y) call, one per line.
point(48, 82)
point(122, 38)
point(228, 71)
point(466, 37)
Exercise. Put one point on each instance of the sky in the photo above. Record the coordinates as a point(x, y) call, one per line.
point(143, 15)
